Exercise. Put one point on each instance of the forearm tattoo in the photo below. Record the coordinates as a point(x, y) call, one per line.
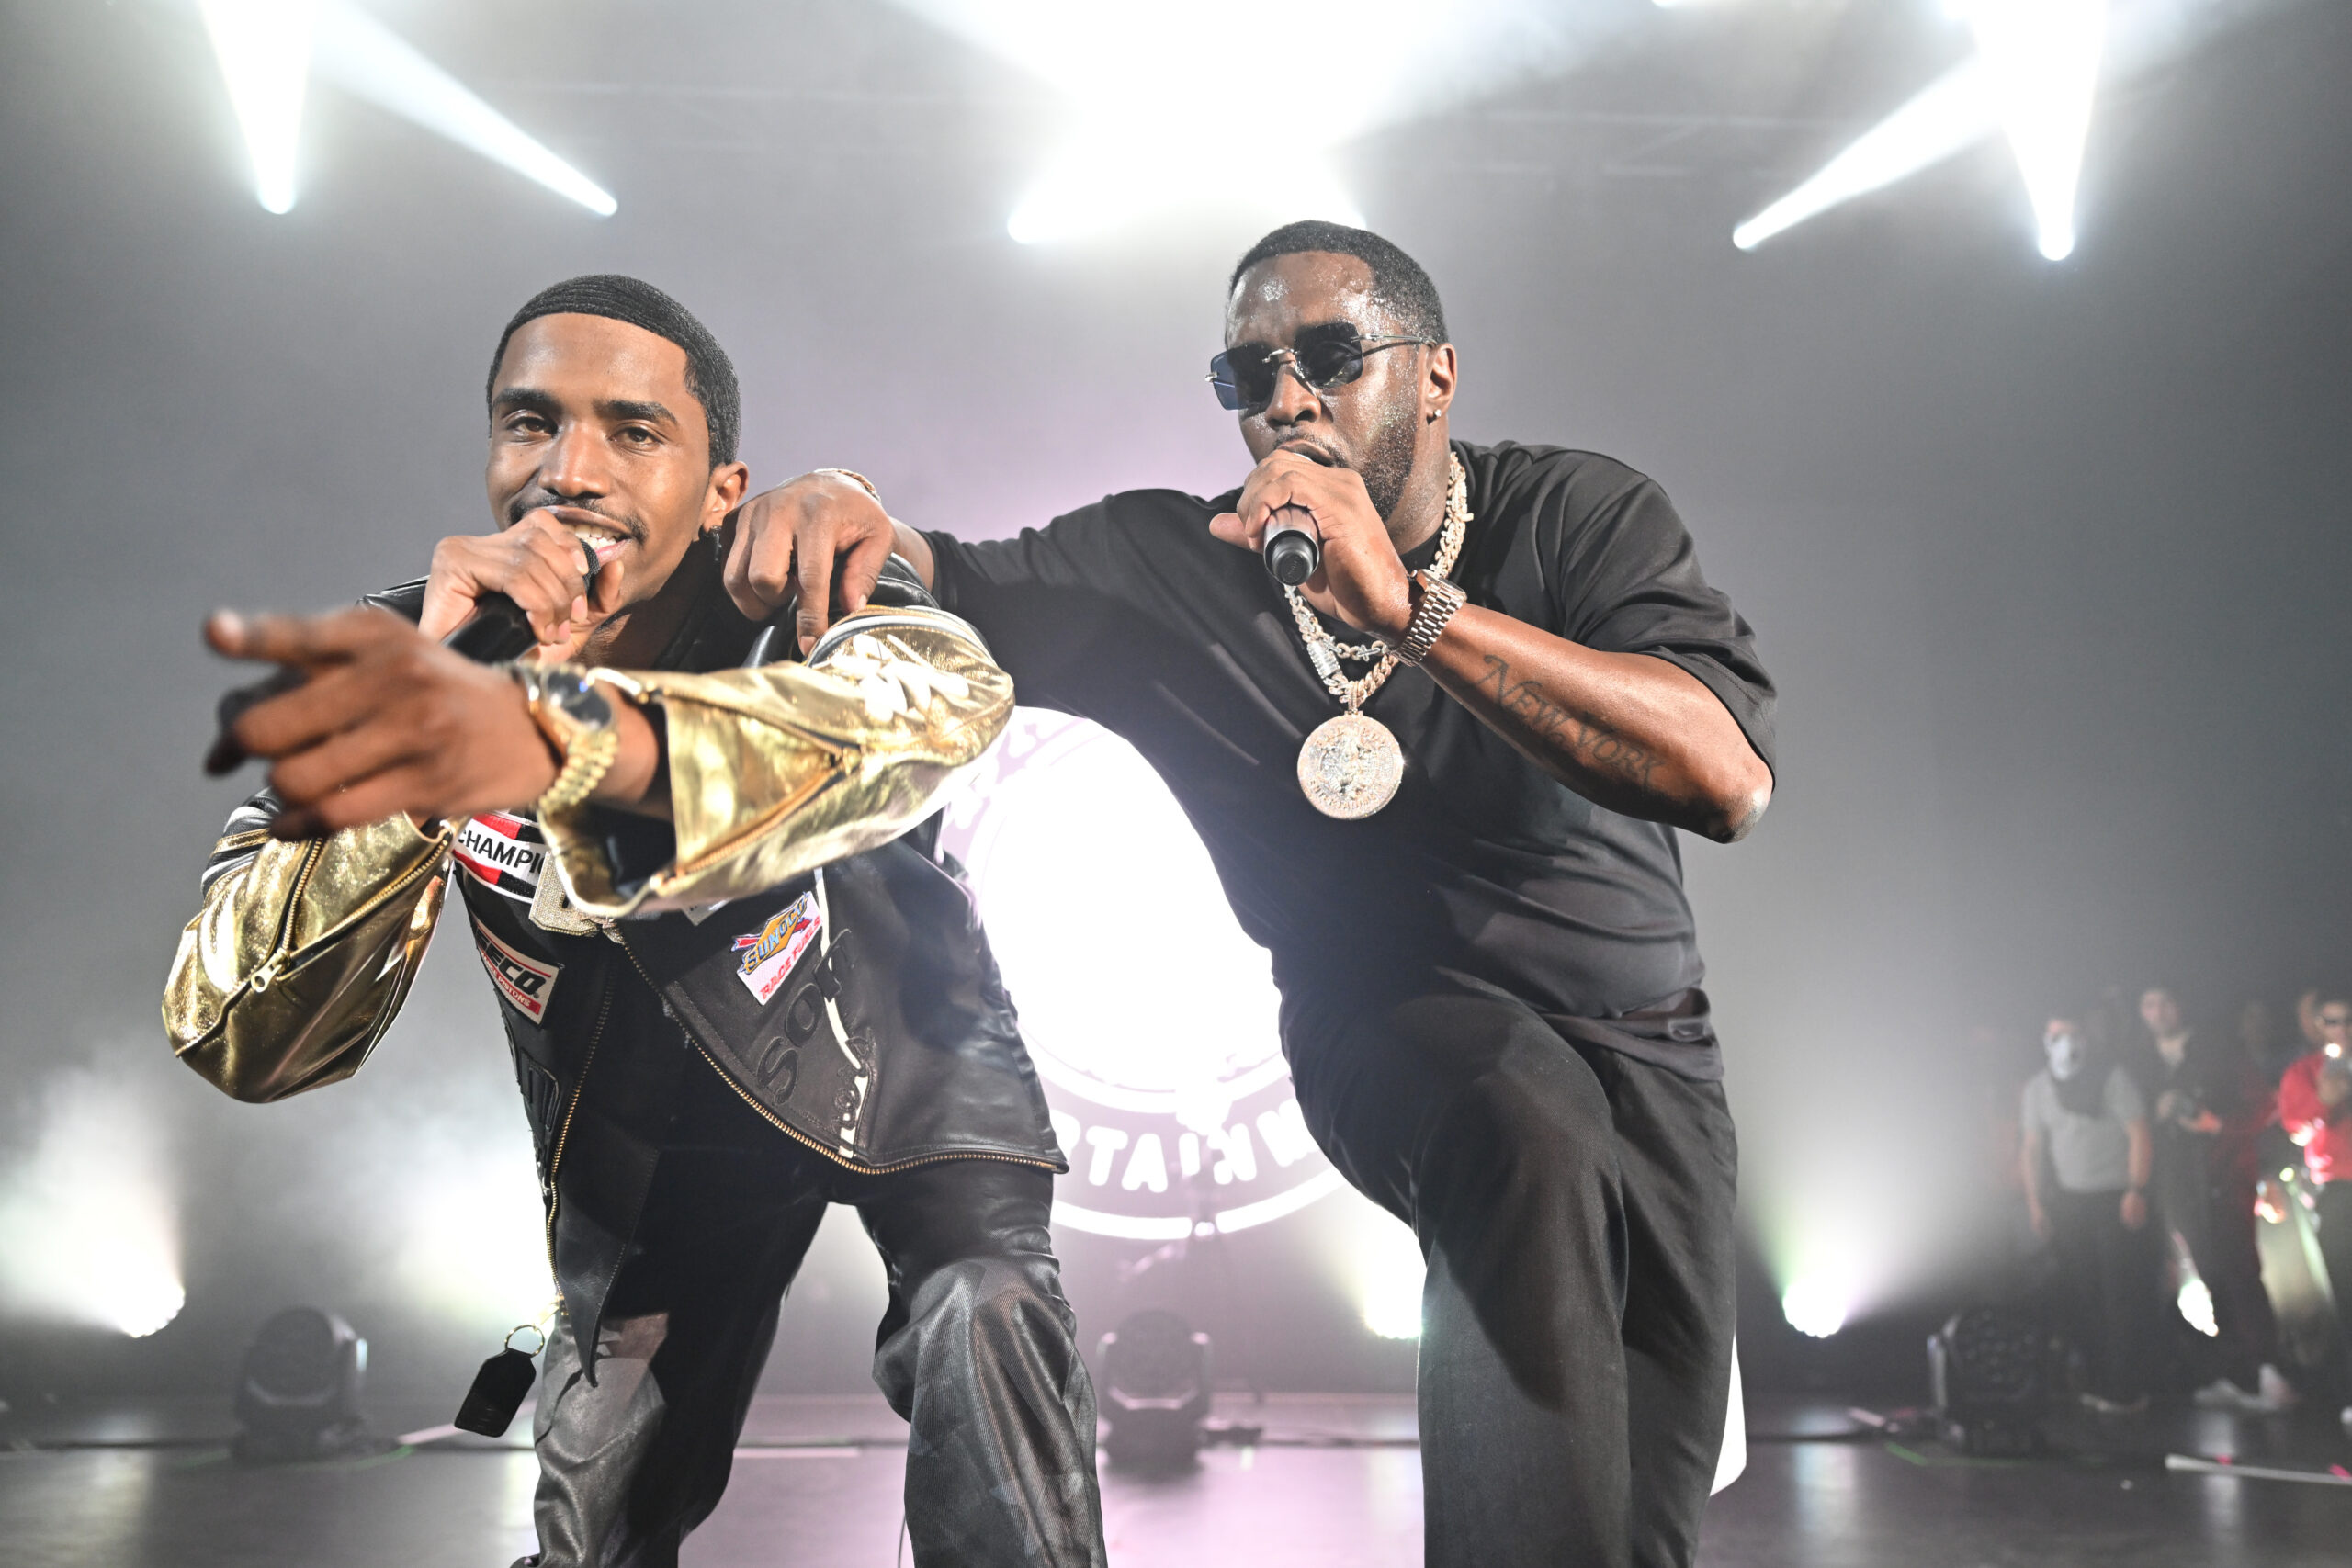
point(1587, 743)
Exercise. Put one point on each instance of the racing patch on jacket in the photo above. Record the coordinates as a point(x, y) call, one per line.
point(524, 981)
point(769, 954)
point(504, 853)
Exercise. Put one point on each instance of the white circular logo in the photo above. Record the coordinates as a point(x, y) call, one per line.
point(1151, 1018)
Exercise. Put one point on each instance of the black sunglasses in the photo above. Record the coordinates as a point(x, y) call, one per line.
point(1243, 376)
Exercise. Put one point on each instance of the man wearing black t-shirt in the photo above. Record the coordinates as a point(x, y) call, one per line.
point(1470, 886)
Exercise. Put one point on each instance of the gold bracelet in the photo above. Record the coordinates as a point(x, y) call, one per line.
point(584, 767)
point(854, 476)
point(1439, 600)
point(577, 720)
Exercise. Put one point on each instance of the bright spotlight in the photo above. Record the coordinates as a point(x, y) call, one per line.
point(1151, 1017)
point(2196, 1304)
point(1814, 1306)
point(1111, 181)
point(361, 55)
point(1161, 116)
point(2041, 60)
point(264, 49)
point(89, 1230)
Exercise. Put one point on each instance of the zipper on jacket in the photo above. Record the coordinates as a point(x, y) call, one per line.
point(261, 979)
point(282, 960)
point(796, 1134)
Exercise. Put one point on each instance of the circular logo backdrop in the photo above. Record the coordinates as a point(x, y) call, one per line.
point(1150, 1017)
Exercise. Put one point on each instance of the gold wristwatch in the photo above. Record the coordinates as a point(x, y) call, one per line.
point(577, 720)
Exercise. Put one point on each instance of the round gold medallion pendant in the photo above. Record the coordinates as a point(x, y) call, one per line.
point(1350, 766)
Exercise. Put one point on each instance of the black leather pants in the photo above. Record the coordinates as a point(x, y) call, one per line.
point(976, 1350)
point(1575, 1207)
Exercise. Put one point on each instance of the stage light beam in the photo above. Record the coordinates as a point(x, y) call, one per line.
point(369, 61)
point(1954, 113)
point(264, 50)
point(2034, 77)
point(2041, 61)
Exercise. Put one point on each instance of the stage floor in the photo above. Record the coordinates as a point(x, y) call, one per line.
point(1335, 1485)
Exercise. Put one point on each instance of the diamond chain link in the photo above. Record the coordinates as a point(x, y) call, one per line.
point(1325, 651)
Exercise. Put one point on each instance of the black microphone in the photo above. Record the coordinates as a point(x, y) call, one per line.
point(496, 631)
point(1294, 551)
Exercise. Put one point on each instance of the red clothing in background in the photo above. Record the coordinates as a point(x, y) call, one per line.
point(2325, 1134)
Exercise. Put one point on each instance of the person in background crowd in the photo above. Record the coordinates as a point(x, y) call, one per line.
point(2208, 1106)
point(2257, 1035)
point(2307, 1010)
point(2315, 1108)
point(2085, 1117)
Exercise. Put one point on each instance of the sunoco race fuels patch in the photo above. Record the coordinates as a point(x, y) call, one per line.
point(770, 953)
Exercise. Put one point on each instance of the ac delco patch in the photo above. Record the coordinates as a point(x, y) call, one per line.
point(504, 853)
point(525, 982)
point(770, 953)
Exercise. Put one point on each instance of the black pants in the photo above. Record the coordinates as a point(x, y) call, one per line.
point(1575, 1207)
point(2218, 1229)
point(2334, 1217)
point(976, 1350)
point(2108, 1287)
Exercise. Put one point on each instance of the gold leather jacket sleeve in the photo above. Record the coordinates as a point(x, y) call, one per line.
point(302, 952)
point(782, 768)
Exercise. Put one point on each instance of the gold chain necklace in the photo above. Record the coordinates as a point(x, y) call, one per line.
point(1350, 766)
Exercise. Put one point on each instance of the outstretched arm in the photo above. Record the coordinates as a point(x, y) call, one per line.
point(780, 767)
point(388, 721)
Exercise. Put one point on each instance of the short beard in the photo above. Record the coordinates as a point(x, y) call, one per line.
point(1387, 464)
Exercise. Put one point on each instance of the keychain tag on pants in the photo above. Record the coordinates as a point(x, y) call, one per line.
point(500, 1388)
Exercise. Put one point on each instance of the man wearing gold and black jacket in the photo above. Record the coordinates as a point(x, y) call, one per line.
point(738, 981)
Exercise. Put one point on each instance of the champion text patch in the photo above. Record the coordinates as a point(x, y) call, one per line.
point(504, 853)
point(769, 954)
point(524, 981)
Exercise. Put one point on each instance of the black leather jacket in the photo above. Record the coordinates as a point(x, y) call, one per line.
point(855, 1007)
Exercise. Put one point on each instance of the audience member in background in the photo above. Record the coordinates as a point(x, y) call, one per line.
point(2307, 1012)
point(2258, 1037)
point(1993, 1052)
point(2208, 1106)
point(2315, 1108)
point(2083, 1115)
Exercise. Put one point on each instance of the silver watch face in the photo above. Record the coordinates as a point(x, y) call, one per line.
point(578, 699)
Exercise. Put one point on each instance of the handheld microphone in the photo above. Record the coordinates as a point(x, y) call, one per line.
point(1292, 551)
point(497, 630)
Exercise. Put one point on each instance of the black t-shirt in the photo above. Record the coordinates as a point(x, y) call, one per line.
point(1129, 613)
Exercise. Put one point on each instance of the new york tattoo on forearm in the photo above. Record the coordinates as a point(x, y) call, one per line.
point(1583, 741)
